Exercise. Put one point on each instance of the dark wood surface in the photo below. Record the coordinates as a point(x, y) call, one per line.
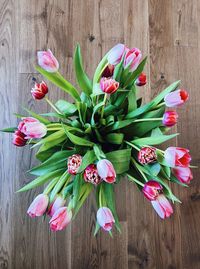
point(166, 30)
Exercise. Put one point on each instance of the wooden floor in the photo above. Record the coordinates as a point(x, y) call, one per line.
point(168, 31)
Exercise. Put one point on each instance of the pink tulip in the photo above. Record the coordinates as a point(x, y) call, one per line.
point(73, 163)
point(60, 219)
point(39, 206)
point(183, 174)
point(147, 155)
point(162, 206)
point(170, 118)
point(32, 128)
point(175, 156)
point(47, 61)
point(91, 174)
point(109, 85)
point(141, 80)
point(132, 58)
point(106, 171)
point(19, 139)
point(152, 189)
point(176, 98)
point(115, 54)
point(39, 91)
point(105, 218)
point(59, 202)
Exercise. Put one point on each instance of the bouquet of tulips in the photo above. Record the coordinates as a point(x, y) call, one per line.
point(105, 135)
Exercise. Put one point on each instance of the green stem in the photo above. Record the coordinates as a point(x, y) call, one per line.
point(132, 145)
point(135, 180)
point(104, 101)
point(137, 166)
point(149, 119)
point(52, 105)
point(160, 105)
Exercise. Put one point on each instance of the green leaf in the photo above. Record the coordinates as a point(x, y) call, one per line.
point(88, 158)
point(84, 193)
point(99, 70)
point(37, 116)
point(153, 140)
point(119, 125)
point(77, 183)
point(115, 138)
point(154, 168)
point(66, 107)
point(132, 102)
point(82, 110)
point(9, 130)
point(118, 70)
point(96, 108)
point(84, 82)
point(59, 81)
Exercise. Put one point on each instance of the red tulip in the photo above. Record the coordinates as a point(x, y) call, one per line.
point(141, 80)
point(47, 61)
point(176, 98)
point(170, 118)
point(32, 128)
point(60, 219)
point(175, 156)
point(39, 206)
point(115, 54)
point(19, 139)
point(106, 171)
point(39, 91)
point(183, 174)
point(59, 202)
point(108, 71)
point(147, 155)
point(73, 163)
point(132, 58)
point(162, 206)
point(105, 218)
point(152, 189)
point(109, 85)
point(91, 174)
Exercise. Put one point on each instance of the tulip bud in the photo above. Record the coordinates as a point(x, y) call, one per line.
point(39, 91)
point(147, 155)
point(108, 71)
point(162, 206)
point(105, 218)
point(115, 54)
point(175, 156)
point(183, 174)
point(47, 61)
point(106, 171)
point(32, 128)
point(132, 58)
point(60, 219)
point(170, 118)
point(91, 174)
point(59, 202)
point(39, 206)
point(176, 98)
point(141, 80)
point(109, 85)
point(19, 139)
point(73, 163)
point(152, 189)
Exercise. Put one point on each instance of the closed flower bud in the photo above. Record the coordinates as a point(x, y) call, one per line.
point(132, 58)
point(109, 85)
point(106, 171)
point(39, 206)
point(108, 71)
point(19, 139)
point(152, 189)
point(105, 218)
point(115, 54)
point(73, 163)
point(176, 98)
point(60, 219)
point(141, 80)
point(47, 61)
point(183, 174)
point(32, 128)
point(175, 156)
point(170, 118)
point(147, 155)
point(59, 202)
point(91, 174)
point(162, 206)
point(39, 91)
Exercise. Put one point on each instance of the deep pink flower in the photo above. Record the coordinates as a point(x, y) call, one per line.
point(162, 206)
point(183, 174)
point(152, 189)
point(115, 54)
point(106, 171)
point(60, 219)
point(73, 163)
point(38, 206)
point(59, 202)
point(108, 71)
point(141, 80)
point(19, 139)
point(175, 156)
point(39, 91)
point(47, 61)
point(147, 155)
point(32, 128)
point(132, 58)
point(91, 174)
point(170, 118)
point(105, 218)
point(109, 85)
point(176, 98)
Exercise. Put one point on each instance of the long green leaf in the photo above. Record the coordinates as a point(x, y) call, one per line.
point(9, 130)
point(88, 158)
point(153, 140)
point(37, 116)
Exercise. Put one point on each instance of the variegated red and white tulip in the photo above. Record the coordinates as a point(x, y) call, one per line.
point(39, 91)
point(48, 61)
point(176, 98)
point(39, 206)
point(106, 171)
point(147, 155)
point(19, 139)
point(132, 58)
point(115, 54)
point(175, 156)
point(108, 85)
point(32, 128)
point(170, 118)
point(91, 174)
point(59, 202)
point(105, 218)
point(183, 174)
point(60, 219)
point(73, 163)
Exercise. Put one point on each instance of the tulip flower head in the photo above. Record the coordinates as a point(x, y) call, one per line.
point(91, 174)
point(147, 155)
point(39, 91)
point(47, 61)
point(175, 156)
point(105, 218)
point(60, 219)
point(170, 118)
point(108, 85)
point(152, 189)
point(115, 54)
point(162, 206)
point(108, 71)
point(183, 174)
point(132, 58)
point(19, 139)
point(73, 163)
point(106, 171)
point(39, 206)
point(32, 128)
point(59, 202)
point(176, 98)
point(141, 80)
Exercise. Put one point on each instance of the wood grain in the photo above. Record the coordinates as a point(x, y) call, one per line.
point(168, 31)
